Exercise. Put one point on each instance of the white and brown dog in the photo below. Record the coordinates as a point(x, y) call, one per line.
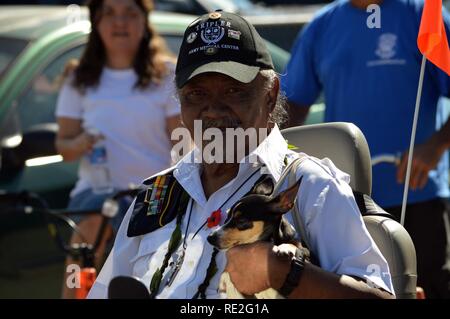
point(258, 216)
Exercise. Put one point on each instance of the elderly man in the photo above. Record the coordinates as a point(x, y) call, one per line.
point(225, 78)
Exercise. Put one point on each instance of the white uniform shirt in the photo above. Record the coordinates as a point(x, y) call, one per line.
point(336, 231)
point(132, 120)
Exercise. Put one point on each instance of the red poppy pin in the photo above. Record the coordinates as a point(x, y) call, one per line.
point(214, 219)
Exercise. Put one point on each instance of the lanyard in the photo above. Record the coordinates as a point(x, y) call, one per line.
point(174, 243)
point(180, 259)
point(229, 197)
point(212, 267)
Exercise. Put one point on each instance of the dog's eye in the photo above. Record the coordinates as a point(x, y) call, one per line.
point(237, 213)
point(244, 224)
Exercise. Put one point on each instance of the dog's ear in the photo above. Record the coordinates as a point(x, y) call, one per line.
point(265, 187)
point(283, 202)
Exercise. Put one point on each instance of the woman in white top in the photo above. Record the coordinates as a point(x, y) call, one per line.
point(122, 90)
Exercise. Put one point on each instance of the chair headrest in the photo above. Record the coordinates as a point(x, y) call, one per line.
point(343, 143)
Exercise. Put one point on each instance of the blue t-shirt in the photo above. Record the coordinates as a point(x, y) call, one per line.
point(369, 76)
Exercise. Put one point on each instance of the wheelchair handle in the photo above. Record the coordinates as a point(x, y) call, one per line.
point(386, 158)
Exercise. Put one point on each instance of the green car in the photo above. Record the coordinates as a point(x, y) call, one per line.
point(35, 44)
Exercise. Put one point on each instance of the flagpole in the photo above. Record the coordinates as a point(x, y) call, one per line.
point(413, 137)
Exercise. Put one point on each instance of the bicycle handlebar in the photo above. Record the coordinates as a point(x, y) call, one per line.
point(29, 203)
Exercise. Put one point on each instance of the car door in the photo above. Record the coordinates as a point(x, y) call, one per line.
point(31, 264)
point(34, 106)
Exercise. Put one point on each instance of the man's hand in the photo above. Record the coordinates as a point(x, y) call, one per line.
point(256, 267)
point(425, 158)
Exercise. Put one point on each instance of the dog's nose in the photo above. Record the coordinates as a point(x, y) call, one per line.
point(212, 239)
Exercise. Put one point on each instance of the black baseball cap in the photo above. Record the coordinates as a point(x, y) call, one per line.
point(221, 42)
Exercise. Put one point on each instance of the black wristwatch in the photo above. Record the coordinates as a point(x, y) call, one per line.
point(293, 277)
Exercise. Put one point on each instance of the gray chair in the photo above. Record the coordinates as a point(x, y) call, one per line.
point(347, 147)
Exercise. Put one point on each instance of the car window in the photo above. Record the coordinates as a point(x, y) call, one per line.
point(173, 43)
point(9, 49)
point(180, 6)
point(37, 103)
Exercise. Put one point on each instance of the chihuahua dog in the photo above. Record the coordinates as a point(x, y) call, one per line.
point(258, 216)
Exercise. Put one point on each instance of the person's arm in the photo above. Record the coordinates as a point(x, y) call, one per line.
point(427, 155)
point(425, 158)
point(171, 105)
point(265, 269)
point(300, 80)
point(297, 114)
point(336, 234)
point(72, 141)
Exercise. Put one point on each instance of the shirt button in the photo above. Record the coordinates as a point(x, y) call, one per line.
point(191, 263)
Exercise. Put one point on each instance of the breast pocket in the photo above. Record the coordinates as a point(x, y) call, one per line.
point(151, 252)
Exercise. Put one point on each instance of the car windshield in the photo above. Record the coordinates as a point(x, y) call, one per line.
point(233, 5)
point(40, 95)
point(9, 49)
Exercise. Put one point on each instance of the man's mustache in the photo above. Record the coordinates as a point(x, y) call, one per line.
point(222, 123)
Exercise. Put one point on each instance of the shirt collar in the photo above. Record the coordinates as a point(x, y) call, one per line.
point(270, 152)
point(187, 172)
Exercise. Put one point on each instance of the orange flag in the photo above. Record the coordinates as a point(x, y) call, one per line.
point(432, 40)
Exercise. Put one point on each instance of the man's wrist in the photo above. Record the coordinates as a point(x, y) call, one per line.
point(444, 141)
point(292, 279)
point(279, 267)
point(440, 140)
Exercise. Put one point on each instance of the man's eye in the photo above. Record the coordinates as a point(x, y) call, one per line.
point(108, 13)
point(234, 90)
point(131, 15)
point(194, 93)
point(235, 94)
